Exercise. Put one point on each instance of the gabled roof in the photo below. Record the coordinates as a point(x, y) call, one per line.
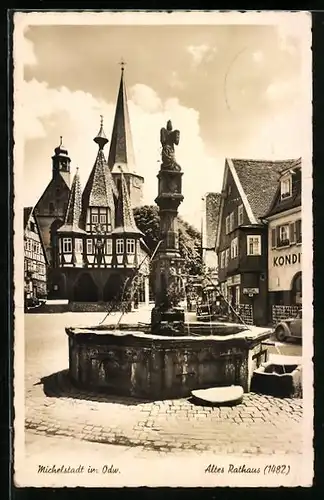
point(27, 213)
point(121, 153)
point(257, 182)
point(125, 221)
point(73, 211)
point(213, 201)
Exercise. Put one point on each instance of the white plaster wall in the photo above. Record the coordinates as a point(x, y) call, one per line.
point(281, 276)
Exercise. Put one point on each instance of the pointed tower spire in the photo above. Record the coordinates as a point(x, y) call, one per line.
point(125, 221)
point(73, 211)
point(121, 153)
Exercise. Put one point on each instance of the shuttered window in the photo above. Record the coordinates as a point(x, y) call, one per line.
point(292, 233)
point(273, 238)
point(298, 224)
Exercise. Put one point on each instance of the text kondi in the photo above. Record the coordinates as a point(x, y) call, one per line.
point(283, 260)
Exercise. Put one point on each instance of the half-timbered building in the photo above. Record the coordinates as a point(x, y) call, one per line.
point(97, 245)
point(35, 260)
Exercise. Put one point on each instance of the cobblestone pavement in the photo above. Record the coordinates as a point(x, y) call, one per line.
point(261, 424)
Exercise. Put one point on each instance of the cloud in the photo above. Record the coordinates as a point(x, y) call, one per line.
point(175, 81)
point(146, 98)
point(258, 56)
point(201, 52)
point(48, 113)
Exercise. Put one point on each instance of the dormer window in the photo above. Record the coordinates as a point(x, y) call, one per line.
point(285, 187)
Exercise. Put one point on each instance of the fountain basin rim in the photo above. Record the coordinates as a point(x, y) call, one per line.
point(261, 334)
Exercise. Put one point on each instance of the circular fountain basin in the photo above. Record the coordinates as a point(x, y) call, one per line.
point(131, 361)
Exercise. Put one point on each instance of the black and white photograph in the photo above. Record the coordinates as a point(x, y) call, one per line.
point(163, 318)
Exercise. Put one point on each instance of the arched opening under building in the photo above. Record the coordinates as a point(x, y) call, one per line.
point(85, 289)
point(296, 289)
point(57, 286)
point(113, 289)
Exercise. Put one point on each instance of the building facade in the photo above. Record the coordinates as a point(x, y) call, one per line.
point(242, 247)
point(35, 260)
point(92, 237)
point(285, 246)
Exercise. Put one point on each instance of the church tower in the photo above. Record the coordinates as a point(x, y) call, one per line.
point(121, 154)
point(61, 163)
point(51, 207)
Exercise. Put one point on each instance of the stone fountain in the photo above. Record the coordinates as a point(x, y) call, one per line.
point(168, 357)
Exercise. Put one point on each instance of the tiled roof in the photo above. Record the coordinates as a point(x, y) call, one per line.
point(212, 218)
point(100, 188)
point(73, 211)
point(259, 180)
point(281, 205)
point(27, 214)
point(121, 152)
point(125, 221)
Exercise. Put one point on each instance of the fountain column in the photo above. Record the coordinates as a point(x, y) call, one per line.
point(167, 316)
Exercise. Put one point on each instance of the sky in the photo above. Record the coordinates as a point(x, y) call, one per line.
point(232, 90)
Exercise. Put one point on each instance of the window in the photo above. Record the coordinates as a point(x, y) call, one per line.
point(234, 248)
point(285, 187)
point(240, 215)
point(32, 226)
point(89, 246)
point(231, 222)
point(227, 225)
point(237, 295)
point(78, 245)
point(283, 235)
point(227, 254)
point(103, 219)
point(94, 218)
point(222, 260)
point(119, 247)
point(130, 246)
point(254, 245)
point(108, 247)
point(67, 245)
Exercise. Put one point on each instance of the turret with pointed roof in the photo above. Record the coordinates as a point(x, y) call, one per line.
point(73, 213)
point(100, 189)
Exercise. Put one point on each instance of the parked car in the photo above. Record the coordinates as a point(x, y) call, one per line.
point(291, 327)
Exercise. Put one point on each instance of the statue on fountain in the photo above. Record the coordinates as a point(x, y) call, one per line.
point(169, 138)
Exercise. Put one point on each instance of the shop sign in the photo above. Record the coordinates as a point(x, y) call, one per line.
point(250, 291)
point(286, 260)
